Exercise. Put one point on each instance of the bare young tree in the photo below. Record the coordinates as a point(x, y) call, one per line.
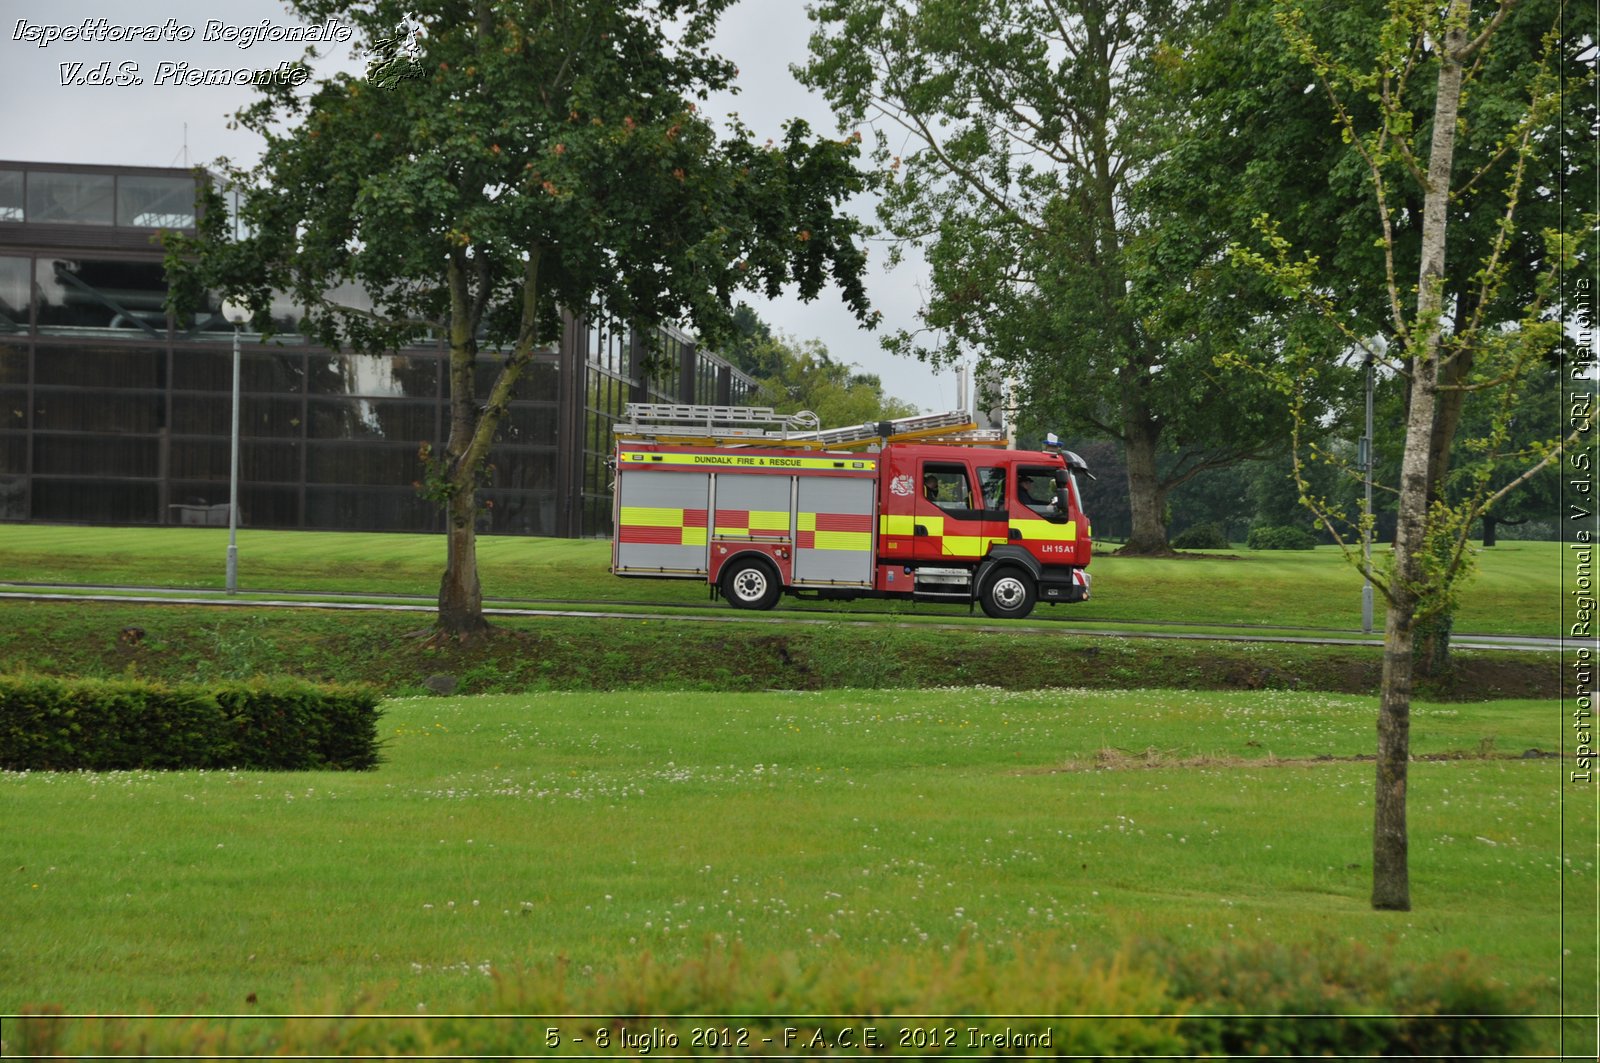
point(1446, 350)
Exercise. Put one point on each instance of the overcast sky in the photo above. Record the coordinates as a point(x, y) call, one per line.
point(51, 117)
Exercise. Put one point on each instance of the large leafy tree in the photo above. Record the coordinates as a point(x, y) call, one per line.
point(516, 157)
point(1018, 133)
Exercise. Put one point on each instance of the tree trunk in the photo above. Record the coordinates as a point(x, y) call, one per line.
point(1489, 522)
point(1391, 879)
point(1391, 876)
point(460, 595)
point(1432, 632)
point(1432, 645)
point(472, 428)
point(1146, 494)
point(1391, 882)
point(1141, 432)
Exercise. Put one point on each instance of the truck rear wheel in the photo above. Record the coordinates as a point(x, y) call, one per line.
point(750, 583)
point(1009, 595)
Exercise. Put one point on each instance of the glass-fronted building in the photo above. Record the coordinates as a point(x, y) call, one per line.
point(111, 412)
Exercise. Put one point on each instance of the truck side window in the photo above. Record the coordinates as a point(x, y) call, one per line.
point(1036, 489)
point(946, 486)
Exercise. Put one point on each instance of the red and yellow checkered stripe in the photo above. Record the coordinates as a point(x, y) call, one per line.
point(661, 525)
point(899, 531)
point(667, 526)
point(834, 531)
point(752, 522)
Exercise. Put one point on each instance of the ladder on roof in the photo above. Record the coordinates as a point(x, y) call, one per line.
point(762, 426)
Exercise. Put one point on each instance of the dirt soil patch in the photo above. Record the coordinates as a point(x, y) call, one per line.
point(1152, 759)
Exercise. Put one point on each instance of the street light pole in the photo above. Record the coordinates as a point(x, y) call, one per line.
point(1366, 523)
point(237, 316)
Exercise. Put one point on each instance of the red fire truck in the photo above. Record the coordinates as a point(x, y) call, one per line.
point(915, 508)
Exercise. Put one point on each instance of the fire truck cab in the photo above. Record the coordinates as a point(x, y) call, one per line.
point(1003, 527)
point(928, 521)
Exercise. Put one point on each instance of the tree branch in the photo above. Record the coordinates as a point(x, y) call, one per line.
point(1488, 31)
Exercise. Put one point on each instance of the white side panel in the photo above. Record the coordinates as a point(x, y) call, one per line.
point(661, 522)
point(835, 536)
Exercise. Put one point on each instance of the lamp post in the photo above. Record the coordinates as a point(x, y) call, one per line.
point(1366, 523)
point(236, 316)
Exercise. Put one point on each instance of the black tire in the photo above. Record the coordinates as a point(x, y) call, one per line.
point(751, 583)
point(1009, 594)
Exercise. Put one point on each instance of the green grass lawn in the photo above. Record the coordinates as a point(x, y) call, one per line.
point(505, 831)
point(1515, 591)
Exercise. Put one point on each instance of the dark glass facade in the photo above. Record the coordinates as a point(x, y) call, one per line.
point(111, 413)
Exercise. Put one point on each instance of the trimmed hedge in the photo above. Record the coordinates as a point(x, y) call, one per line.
point(51, 724)
point(1280, 537)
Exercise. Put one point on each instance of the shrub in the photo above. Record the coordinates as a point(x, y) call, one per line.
point(1265, 999)
point(120, 725)
point(1201, 537)
point(1337, 998)
point(786, 1005)
point(1280, 537)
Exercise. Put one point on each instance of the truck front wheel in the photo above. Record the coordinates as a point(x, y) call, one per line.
point(750, 583)
point(1009, 595)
